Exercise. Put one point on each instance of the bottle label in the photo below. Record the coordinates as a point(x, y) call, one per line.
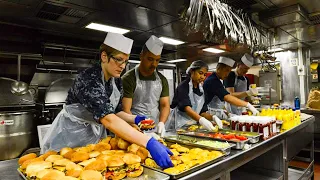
point(265, 132)
point(243, 128)
point(274, 128)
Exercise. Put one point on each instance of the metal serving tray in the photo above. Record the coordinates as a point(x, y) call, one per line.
point(189, 171)
point(148, 174)
point(190, 141)
point(238, 144)
point(253, 136)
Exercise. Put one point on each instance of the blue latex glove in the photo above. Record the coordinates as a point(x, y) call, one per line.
point(160, 153)
point(139, 118)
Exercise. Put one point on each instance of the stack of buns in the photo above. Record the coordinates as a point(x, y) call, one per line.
point(111, 158)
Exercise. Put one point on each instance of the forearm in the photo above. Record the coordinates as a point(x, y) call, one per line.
point(129, 118)
point(164, 113)
point(122, 129)
point(207, 116)
point(239, 94)
point(191, 113)
point(235, 101)
point(126, 105)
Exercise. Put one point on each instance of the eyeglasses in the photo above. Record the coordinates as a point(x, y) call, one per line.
point(119, 61)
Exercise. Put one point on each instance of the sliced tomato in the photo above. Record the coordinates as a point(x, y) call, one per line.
point(108, 174)
point(218, 136)
point(147, 121)
point(200, 134)
point(229, 136)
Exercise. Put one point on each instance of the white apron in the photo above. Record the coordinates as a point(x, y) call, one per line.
point(146, 97)
point(239, 86)
point(178, 118)
point(74, 126)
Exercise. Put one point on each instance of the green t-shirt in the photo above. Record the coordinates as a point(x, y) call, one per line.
point(129, 83)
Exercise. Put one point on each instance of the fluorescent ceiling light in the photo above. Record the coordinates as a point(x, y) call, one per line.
point(134, 61)
point(275, 49)
point(106, 28)
point(170, 41)
point(176, 60)
point(213, 50)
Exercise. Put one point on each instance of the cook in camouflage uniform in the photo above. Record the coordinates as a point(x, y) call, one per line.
point(94, 105)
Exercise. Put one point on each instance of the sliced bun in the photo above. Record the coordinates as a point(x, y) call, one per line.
point(61, 162)
point(65, 150)
point(115, 161)
point(53, 158)
point(97, 165)
point(29, 161)
point(102, 147)
point(131, 158)
point(79, 156)
point(53, 175)
point(118, 176)
point(90, 175)
point(73, 173)
point(114, 143)
point(26, 157)
point(69, 154)
point(87, 162)
point(48, 153)
point(122, 144)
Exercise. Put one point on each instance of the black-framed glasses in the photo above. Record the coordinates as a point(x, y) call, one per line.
point(119, 61)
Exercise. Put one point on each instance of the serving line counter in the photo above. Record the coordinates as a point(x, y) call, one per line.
point(268, 159)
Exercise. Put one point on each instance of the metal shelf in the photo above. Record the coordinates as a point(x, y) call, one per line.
point(296, 174)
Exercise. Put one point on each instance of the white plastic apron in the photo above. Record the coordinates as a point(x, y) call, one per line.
point(239, 86)
point(74, 126)
point(146, 97)
point(178, 118)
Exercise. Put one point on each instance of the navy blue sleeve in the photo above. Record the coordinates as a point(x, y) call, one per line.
point(213, 87)
point(91, 94)
point(229, 82)
point(248, 82)
point(181, 97)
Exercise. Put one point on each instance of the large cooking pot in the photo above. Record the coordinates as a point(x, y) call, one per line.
point(16, 133)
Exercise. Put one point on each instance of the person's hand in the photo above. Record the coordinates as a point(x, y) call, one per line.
point(254, 111)
point(252, 92)
point(218, 121)
point(161, 129)
point(160, 153)
point(206, 124)
point(139, 118)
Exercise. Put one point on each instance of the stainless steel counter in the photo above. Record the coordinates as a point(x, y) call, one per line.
point(273, 154)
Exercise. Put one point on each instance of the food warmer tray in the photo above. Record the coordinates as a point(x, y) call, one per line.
point(191, 170)
point(190, 141)
point(253, 136)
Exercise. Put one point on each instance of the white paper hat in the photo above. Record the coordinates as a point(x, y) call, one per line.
point(227, 61)
point(247, 60)
point(118, 42)
point(154, 45)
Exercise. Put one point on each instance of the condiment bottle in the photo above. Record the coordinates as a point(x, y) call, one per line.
point(255, 124)
point(248, 124)
point(234, 123)
point(241, 125)
point(264, 128)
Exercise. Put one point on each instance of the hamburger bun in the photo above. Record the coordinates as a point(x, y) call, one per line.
point(90, 175)
point(102, 147)
point(83, 149)
point(106, 140)
point(69, 154)
point(73, 173)
point(133, 148)
point(104, 157)
point(115, 161)
point(73, 166)
point(97, 165)
point(87, 162)
point(29, 161)
point(33, 168)
point(131, 158)
point(143, 153)
point(68, 178)
point(48, 153)
point(122, 144)
point(61, 162)
point(114, 143)
point(91, 147)
point(135, 173)
point(147, 124)
point(79, 156)
point(65, 150)
point(117, 176)
point(43, 172)
point(53, 158)
point(94, 154)
point(26, 157)
point(53, 175)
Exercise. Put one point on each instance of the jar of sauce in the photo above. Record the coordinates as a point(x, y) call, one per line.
point(255, 125)
point(242, 126)
point(264, 128)
point(234, 123)
point(248, 124)
point(274, 125)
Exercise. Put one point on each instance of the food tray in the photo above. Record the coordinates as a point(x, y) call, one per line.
point(238, 144)
point(253, 136)
point(189, 171)
point(188, 140)
point(148, 174)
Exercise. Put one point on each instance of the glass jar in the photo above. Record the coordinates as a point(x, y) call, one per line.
point(234, 123)
point(241, 124)
point(264, 128)
point(255, 124)
point(248, 124)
